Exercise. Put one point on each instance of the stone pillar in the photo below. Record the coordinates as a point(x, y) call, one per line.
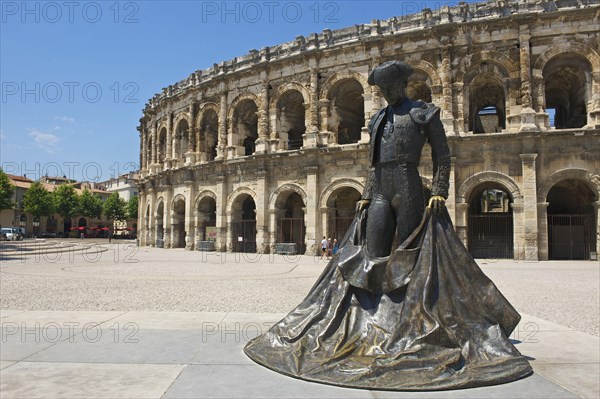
point(543, 248)
point(447, 116)
point(142, 221)
point(276, 140)
point(528, 120)
point(461, 222)
point(365, 138)
point(273, 214)
point(538, 100)
point(311, 136)
point(151, 234)
point(167, 233)
point(451, 201)
point(190, 220)
point(518, 214)
point(458, 95)
point(530, 221)
point(221, 222)
point(594, 103)
point(325, 136)
point(154, 148)
point(143, 148)
point(190, 155)
point(222, 133)
point(263, 119)
point(169, 143)
point(312, 205)
point(597, 219)
point(262, 215)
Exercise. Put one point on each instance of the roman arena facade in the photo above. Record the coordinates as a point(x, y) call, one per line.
point(268, 152)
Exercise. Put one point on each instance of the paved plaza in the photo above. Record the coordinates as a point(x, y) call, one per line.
point(118, 321)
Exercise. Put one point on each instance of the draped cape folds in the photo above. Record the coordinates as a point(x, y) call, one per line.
point(424, 318)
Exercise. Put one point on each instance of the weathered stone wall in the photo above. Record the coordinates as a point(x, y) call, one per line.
point(520, 59)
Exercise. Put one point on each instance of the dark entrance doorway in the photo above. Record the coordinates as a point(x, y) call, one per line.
point(490, 224)
point(571, 221)
point(243, 227)
point(290, 223)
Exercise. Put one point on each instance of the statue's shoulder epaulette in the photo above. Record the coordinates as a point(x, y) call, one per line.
point(422, 112)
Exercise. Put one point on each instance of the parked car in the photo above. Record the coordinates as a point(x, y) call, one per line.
point(12, 233)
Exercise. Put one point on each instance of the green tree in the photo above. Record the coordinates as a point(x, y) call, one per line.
point(66, 201)
point(132, 208)
point(90, 205)
point(6, 191)
point(115, 207)
point(38, 201)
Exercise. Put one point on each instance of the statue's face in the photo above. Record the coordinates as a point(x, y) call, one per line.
point(394, 92)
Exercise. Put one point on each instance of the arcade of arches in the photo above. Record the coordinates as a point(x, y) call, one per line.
point(271, 147)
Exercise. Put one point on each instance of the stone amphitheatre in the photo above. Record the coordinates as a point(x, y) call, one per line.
point(267, 152)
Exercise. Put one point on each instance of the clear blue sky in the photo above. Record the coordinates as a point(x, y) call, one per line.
point(76, 75)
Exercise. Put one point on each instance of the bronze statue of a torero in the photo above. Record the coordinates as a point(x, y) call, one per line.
point(393, 190)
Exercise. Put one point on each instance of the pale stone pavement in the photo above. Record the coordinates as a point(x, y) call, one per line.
point(65, 351)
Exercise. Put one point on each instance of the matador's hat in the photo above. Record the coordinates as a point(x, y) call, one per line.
point(388, 72)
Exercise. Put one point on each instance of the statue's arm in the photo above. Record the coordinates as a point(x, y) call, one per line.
point(370, 179)
point(440, 153)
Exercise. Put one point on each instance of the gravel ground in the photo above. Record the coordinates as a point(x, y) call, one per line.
point(149, 279)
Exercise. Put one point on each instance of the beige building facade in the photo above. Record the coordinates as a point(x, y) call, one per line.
point(268, 151)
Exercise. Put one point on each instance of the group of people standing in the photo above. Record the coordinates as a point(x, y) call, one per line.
point(329, 248)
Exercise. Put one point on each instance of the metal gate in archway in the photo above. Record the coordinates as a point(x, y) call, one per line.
point(341, 227)
point(571, 237)
point(244, 236)
point(491, 236)
point(292, 230)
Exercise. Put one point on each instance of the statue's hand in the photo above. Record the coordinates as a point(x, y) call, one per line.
point(362, 204)
point(437, 204)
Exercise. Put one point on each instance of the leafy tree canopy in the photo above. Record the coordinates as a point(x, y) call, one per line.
point(66, 201)
point(90, 205)
point(115, 207)
point(38, 201)
point(6, 191)
point(132, 208)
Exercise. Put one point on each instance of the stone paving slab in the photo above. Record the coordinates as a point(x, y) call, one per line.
point(75, 380)
point(126, 345)
point(177, 360)
point(251, 381)
point(170, 320)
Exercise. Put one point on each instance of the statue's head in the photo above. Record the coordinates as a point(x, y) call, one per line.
point(391, 77)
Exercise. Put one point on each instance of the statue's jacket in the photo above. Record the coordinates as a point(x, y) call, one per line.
point(415, 123)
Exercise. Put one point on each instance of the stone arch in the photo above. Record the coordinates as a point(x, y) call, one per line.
point(343, 102)
point(592, 180)
point(288, 206)
point(176, 198)
point(159, 200)
point(281, 90)
point(338, 77)
point(588, 53)
point(204, 194)
point(207, 131)
point(476, 180)
point(161, 143)
point(205, 211)
point(425, 83)
point(236, 101)
point(467, 71)
point(486, 96)
point(181, 135)
point(285, 188)
point(288, 115)
point(182, 116)
point(566, 47)
point(335, 185)
point(177, 215)
point(236, 193)
point(241, 220)
point(243, 123)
